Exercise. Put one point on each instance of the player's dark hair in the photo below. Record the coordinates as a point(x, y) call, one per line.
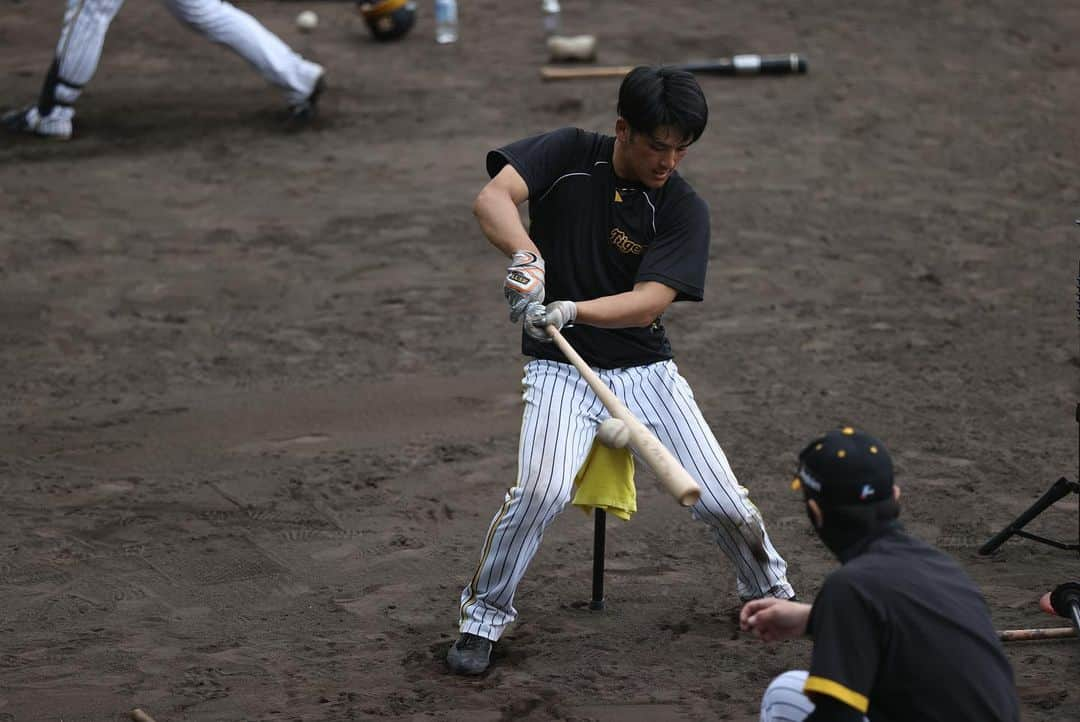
point(862, 516)
point(846, 525)
point(654, 96)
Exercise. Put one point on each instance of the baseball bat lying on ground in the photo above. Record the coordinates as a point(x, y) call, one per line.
point(1064, 601)
point(735, 65)
point(1033, 635)
point(667, 468)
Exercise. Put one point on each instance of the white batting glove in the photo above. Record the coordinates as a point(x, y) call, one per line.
point(560, 314)
point(524, 283)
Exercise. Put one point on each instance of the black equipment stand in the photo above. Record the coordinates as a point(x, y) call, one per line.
point(1058, 491)
point(599, 529)
point(1055, 493)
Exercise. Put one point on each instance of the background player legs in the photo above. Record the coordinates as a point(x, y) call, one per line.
point(557, 430)
point(82, 39)
point(659, 396)
point(224, 23)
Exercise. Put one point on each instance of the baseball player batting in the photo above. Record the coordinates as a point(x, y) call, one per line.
point(615, 236)
point(83, 36)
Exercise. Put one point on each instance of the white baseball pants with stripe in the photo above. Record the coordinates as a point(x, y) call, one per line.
point(86, 22)
point(557, 430)
point(784, 700)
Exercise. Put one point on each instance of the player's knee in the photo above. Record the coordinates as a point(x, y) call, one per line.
point(541, 498)
point(784, 700)
point(720, 512)
point(101, 13)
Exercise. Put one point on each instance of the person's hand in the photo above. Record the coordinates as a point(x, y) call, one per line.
point(524, 282)
point(772, 619)
point(538, 317)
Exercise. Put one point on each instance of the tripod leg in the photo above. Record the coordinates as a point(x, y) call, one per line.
point(1060, 488)
point(599, 534)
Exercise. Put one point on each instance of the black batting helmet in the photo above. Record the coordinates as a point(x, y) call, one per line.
point(388, 19)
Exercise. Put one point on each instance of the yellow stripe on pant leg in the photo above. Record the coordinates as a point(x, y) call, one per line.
point(484, 553)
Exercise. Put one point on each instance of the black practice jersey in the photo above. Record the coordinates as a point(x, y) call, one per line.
point(599, 235)
point(902, 634)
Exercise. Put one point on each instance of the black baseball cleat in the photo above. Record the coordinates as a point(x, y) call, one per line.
point(471, 654)
point(303, 113)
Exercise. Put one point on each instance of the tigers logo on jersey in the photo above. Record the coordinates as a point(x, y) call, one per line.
point(620, 240)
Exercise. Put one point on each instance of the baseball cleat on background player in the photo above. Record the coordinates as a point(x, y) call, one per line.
point(30, 121)
point(303, 113)
point(470, 654)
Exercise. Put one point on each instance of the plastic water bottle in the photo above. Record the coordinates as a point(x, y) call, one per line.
point(550, 9)
point(446, 24)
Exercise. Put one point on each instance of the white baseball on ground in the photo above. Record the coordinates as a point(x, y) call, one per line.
point(307, 20)
point(613, 433)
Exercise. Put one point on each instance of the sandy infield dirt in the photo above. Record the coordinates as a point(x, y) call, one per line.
point(260, 398)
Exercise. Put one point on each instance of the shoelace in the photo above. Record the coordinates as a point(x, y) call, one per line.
point(471, 641)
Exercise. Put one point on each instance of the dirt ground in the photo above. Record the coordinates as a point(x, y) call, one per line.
point(260, 398)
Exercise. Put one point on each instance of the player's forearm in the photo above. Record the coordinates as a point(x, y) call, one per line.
point(623, 310)
point(802, 614)
point(501, 223)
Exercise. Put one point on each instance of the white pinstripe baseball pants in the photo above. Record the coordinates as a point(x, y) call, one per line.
point(557, 430)
point(784, 700)
point(86, 22)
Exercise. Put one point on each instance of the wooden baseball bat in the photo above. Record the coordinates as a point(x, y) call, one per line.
point(667, 468)
point(1030, 635)
point(735, 65)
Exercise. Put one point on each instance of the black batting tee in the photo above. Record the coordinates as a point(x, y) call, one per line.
point(600, 234)
point(901, 634)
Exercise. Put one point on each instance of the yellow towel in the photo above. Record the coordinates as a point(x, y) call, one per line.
point(606, 481)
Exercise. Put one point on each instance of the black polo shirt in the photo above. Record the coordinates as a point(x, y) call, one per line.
point(902, 634)
point(599, 235)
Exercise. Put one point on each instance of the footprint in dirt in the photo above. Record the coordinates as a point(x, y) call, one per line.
point(677, 629)
point(203, 683)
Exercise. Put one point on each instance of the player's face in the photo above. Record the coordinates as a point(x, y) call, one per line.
point(652, 158)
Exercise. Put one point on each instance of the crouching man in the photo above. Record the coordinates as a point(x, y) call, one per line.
point(900, 632)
